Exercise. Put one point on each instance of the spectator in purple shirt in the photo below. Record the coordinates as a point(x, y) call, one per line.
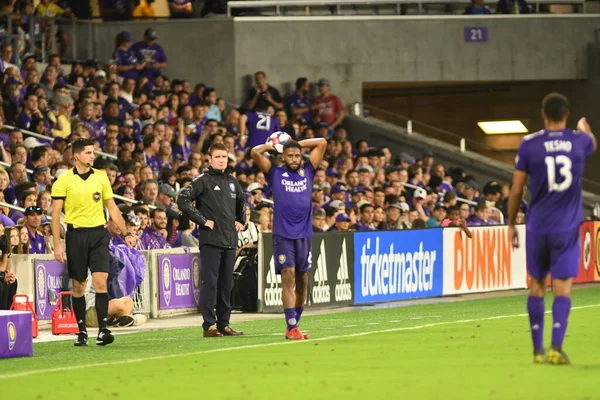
point(299, 103)
point(150, 54)
point(481, 215)
point(152, 237)
point(125, 107)
point(151, 149)
point(367, 213)
point(128, 65)
point(33, 220)
point(30, 109)
point(181, 9)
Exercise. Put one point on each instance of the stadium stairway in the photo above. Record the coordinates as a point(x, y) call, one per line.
point(382, 133)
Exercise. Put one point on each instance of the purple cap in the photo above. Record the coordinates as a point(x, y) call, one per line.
point(342, 218)
point(338, 189)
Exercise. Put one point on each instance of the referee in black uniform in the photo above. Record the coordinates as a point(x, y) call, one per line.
point(220, 213)
point(84, 191)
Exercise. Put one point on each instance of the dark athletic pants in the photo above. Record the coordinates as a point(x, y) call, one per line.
point(216, 280)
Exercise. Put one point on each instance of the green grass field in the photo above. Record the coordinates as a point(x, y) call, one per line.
point(461, 350)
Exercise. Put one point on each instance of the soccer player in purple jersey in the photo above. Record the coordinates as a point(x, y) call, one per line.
point(292, 221)
point(257, 126)
point(554, 160)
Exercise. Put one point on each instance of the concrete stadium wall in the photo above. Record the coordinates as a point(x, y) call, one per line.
point(419, 49)
point(353, 50)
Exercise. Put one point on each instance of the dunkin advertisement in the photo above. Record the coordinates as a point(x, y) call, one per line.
point(179, 280)
point(484, 263)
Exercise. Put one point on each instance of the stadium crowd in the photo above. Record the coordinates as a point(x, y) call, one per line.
point(153, 133)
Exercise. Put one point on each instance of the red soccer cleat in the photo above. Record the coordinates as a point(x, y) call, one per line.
point(306, 335)
point(294, 334)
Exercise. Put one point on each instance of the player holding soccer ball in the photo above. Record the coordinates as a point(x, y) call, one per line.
point(292, 217)
point(554, 159)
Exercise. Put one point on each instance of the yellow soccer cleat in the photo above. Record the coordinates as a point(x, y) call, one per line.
point(557, 357)
point(539, 356)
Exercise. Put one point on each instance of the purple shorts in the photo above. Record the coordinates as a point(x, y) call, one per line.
point(556, 253)
point(292, 253)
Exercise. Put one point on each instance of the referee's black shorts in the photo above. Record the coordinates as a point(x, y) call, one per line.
point(87, 247)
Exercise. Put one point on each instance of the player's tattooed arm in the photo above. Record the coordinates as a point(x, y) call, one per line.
point(258, 155)
point(317, 150)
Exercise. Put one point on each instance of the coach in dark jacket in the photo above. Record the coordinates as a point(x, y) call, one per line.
point(220, 213)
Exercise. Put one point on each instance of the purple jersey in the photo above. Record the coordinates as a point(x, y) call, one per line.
point(292, 194)
point(297, 101)
point(126, 58)
point(554, 160)
point(260, 127)
point(154, 162)
point(150, 55)
point(152, 239)
point(37, 243)
point(24, 121)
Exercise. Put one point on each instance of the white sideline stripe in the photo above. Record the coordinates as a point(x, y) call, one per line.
point(256, 346)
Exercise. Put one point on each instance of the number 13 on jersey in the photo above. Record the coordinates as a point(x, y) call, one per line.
point(560, 165)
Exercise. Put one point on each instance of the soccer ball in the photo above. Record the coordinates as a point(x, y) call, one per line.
point(277, 140)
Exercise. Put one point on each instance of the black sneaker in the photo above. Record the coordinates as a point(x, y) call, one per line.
point(82, 339)
point(125, 321)
point(104, 338)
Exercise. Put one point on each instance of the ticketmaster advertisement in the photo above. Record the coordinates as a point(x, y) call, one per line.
point(330, 279)
point(397, 265)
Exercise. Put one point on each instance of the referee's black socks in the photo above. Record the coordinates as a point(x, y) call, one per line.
point(79, 308)
point(102, 309)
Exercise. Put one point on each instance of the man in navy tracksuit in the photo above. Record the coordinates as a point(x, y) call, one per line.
point(220, 213)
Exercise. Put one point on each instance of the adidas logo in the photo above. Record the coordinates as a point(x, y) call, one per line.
point(285, 175)
point(343, 289)
point(535, 327)
point(273, 291)
point(556, 325)
point(217, 188)
point(321, 292)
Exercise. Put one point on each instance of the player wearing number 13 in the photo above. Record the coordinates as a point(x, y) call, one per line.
point(554, 160)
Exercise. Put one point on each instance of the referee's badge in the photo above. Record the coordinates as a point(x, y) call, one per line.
point(97, 197)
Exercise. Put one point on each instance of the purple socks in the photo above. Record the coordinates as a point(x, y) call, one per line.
point(535, 308)
point(560, 313)
point(290, 318)
point(299, 311)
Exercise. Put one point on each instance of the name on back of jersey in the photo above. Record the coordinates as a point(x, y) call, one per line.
point(554, 146)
